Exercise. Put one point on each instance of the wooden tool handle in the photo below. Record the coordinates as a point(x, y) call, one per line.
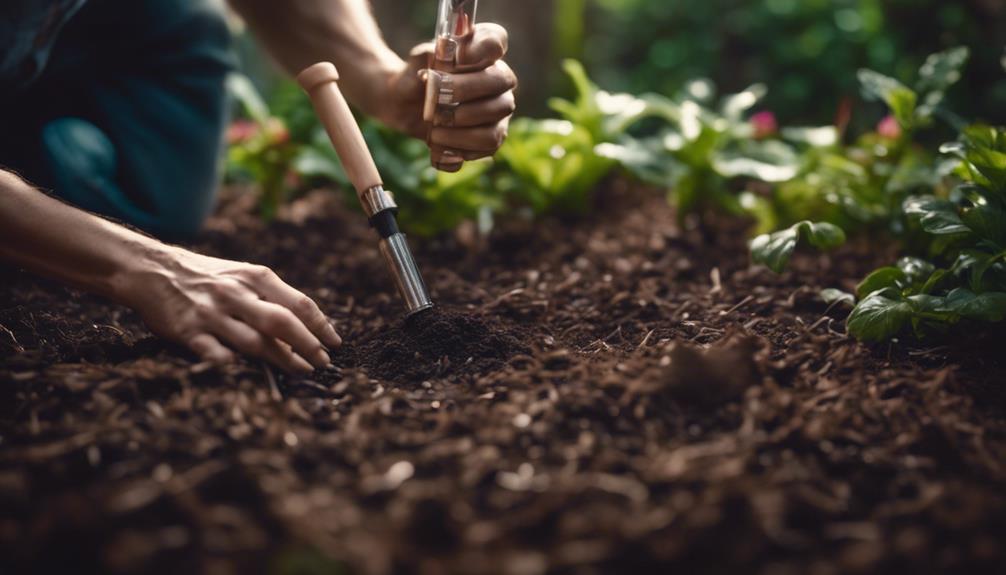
point(320, 81)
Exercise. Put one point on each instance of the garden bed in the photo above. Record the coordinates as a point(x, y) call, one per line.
point(611, 394)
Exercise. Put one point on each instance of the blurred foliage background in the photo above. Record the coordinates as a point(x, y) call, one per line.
point(806, 51)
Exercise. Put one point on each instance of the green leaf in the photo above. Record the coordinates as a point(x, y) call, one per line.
point(937, 216)
point(821, 137)
point(898, 97)
point(988, 306)
point(883, 278)
point(985, 149)
point(770, 161)
point(774, 250)
point(735, 105)
point(879, 317)
point(988, 222)
point(248, 97)
point(915, 270)
point(833, 295)
point(942, 70)
point(937, 75)
point(645, 159)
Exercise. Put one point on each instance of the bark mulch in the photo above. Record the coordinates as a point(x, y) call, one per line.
point(613, 394)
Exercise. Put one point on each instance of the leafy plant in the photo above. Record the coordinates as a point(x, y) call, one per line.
point(914, 108)
point(260, 148)
point(966, 281)
point(865, 185)
point(774, 250)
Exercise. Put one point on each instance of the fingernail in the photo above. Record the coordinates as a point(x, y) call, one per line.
point(333, 336)
point(321, 359)
point(302, 365)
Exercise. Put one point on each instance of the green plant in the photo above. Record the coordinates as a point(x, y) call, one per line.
point(864, 186)
point(774, 250)
point(966, 281)
point(679, 143)
point(260, 147)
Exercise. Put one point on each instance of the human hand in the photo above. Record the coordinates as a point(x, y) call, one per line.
point(483, 86)
point(211, 305)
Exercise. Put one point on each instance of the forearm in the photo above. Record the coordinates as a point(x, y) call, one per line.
point(53, 239)
point(302, 32)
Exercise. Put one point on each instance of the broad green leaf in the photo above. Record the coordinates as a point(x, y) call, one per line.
point(833, 295)
point(937, 216)
point(770, 161)
point(879, 317)
point(942, 70)
point(985, 149)
point(644, 159)
point(822, 137)
point(774, 250)
point(883, 278)
point(988, 306)
point(988, 222)
point(898, 97)
point(939, 73)
point(735, 105)
point(916, 270)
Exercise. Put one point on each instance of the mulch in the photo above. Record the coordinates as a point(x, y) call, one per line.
point(611, 394)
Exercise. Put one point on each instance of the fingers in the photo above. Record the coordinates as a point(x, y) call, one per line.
point(419, 57)
point(484, 140)
point(487, 44)
point(485, 112)
point(492, 81)
point(210, 349)
point(253, 343)
point(273, 321)
point(273, 289)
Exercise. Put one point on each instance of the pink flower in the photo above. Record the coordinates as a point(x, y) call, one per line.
point(764, 124)
point(241, 131)
point(889, 128)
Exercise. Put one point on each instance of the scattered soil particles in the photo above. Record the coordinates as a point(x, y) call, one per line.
point(613, 394)
point(436, 342)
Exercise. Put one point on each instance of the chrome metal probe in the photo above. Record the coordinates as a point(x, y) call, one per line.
point(320, 81)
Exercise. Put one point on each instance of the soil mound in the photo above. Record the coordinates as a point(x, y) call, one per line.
point(438, 342)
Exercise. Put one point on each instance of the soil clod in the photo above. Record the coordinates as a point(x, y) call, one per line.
point(438, 342)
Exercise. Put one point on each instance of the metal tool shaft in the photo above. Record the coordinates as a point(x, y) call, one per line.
point(320, 81)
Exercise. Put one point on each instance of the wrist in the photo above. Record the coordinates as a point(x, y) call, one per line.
point(378, 100)
point(142, 259)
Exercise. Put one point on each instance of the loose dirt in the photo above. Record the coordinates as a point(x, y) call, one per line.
point(436, 342)
point(615, 394)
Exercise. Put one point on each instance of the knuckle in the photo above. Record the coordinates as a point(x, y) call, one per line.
point(304, 306)
point(509, 103)
point(499, 135)
point(222, 289)
point(254, 346)
point(260, 273)
point(281, 320)
point(202, 312)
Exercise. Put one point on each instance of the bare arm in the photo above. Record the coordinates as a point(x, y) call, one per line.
point(302, 32)
point(197, 301)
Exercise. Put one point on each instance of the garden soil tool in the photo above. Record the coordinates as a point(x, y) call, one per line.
point(455, 21)
point(320, 82)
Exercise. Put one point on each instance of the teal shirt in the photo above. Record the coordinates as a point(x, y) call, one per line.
point(28, 30)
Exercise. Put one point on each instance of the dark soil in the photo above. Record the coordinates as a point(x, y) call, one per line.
point(435, 343)
point(611, 395)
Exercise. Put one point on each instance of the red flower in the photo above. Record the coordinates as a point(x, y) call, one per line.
point(764, 124)
point(889, 128)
